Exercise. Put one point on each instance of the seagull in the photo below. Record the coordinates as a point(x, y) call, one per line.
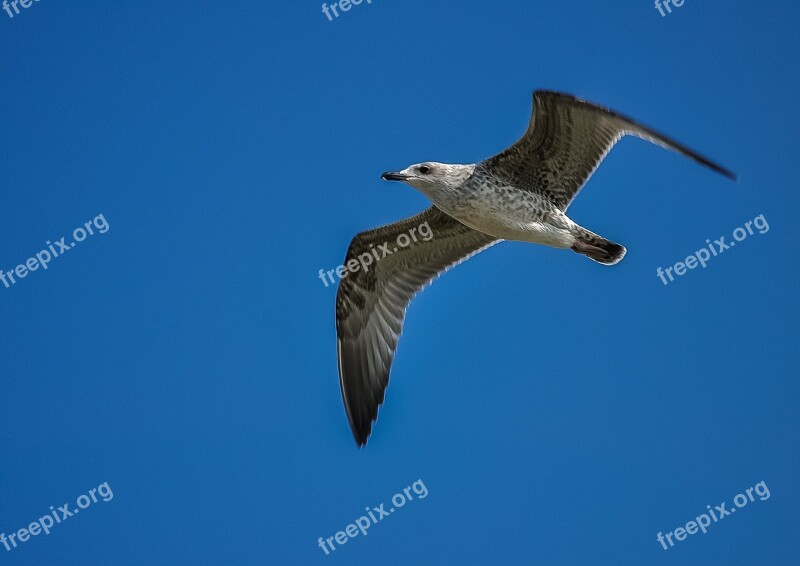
point(520, 194)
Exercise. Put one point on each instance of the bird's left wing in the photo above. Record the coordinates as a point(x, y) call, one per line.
point(565, 142)
point(371, 302)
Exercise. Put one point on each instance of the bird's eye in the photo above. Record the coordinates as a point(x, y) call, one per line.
point(424, 169)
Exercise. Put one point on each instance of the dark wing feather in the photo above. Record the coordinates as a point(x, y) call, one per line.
point(370, 305)
point(566, 140)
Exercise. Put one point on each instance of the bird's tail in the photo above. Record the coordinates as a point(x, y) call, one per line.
point(597, 248)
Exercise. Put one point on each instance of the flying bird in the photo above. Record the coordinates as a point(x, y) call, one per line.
point(520, 194)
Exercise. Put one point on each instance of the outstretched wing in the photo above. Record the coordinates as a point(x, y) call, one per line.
point(371, 303)
point(566, 140)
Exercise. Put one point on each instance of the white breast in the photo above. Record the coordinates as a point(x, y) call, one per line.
point(508, 213)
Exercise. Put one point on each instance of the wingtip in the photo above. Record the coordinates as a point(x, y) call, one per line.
point(727, 173)
point(653, 134)
point(361, 431)
point(361, 440)
point(724, 171)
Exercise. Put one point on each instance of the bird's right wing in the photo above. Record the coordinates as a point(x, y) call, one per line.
point(371, 303)
point(565, 142)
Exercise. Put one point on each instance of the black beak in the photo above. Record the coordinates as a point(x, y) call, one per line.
point(393, 176)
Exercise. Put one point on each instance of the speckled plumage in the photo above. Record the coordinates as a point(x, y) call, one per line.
point(520, 194)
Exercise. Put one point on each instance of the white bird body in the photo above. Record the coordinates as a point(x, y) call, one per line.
point(500, 210)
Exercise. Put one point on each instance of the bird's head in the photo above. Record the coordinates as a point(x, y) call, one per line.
point(431, 177)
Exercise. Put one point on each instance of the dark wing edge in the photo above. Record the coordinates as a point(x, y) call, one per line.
point(635, 128)
point(371, 305)
point(567, 138)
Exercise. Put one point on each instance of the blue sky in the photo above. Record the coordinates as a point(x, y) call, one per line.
point(557, 411)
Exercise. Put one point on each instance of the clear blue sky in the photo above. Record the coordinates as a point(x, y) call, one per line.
point(558, 411)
